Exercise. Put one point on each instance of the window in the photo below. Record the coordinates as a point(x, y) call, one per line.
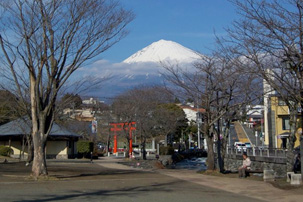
point(281, 102)
point(285, 123)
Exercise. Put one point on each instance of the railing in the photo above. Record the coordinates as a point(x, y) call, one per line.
point(258, 151)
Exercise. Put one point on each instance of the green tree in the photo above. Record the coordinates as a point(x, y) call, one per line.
point(70, 100)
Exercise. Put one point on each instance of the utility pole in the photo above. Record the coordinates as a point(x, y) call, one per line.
point(220, 163)
point(198, 124)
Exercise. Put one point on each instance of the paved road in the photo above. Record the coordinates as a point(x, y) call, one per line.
point(233, 135)
point(107, 183)
point(147, 187)
point(105, 180)
point(242, 136)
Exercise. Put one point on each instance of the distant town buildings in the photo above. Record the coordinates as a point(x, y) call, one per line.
point(191, 112)
point(91, 101)
point(254, 114)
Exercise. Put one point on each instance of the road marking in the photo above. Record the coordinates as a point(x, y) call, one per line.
point(241, 133)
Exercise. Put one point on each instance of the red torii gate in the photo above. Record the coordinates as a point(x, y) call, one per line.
point(127, 126)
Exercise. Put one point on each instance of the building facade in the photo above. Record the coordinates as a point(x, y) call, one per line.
point(279, 124)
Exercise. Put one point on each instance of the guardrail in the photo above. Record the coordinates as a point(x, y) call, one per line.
point(257, 151)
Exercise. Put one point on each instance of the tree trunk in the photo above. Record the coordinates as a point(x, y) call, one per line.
point(127, 148)
point(39, 163)
point(291, 139)
point(41, 123)
point(144, 148)
point(30, 151)
point(219, 146)
point(210, 153)
point(224, 146)
point(224, 142)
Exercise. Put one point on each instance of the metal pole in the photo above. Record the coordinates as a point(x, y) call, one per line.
point(256, 135)
point(198, 122)
point(262, 118)
point(229, 139)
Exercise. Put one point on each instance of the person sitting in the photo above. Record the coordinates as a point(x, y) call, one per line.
point(245, 166)
point(297, 164)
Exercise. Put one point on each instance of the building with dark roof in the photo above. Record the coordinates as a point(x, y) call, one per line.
point(61, 142)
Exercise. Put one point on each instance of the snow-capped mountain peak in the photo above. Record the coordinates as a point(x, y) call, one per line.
point(164, 50)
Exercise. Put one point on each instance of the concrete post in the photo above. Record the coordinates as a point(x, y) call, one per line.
point(296, 179)
point(268, 175)
point(288, 176)
point(158, 149)
point(254, 151)
point(267, 152)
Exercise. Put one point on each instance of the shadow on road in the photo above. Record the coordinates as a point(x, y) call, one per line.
point(123, 192)
point(60, 170)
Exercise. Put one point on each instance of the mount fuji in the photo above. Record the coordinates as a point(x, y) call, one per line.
point(144, 67)
point(164, 50)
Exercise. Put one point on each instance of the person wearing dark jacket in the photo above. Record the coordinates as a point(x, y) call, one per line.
point(297, 164)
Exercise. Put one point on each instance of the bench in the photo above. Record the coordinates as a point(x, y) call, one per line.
point(247, 172)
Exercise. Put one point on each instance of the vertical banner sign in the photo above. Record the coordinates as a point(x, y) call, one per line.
point(94, 127)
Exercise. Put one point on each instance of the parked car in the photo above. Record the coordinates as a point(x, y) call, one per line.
point(239, 146)
point(247, 144)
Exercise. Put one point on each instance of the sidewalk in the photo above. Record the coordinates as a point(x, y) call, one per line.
point(112, 163)
point(244, 187)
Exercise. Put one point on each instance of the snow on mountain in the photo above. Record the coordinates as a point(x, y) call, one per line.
point(164, 50)
point(142, 68)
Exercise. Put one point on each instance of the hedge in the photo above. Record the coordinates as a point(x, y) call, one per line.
point(85, 147)
point(5, 151)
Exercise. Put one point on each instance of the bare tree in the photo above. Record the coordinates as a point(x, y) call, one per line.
point(152, 109)
point(50, 40)
point(221, 88)
point(269, 38)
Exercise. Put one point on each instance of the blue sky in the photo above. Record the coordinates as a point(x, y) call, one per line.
point(189, 22)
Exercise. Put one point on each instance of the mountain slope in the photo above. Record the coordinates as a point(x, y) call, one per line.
point(164, 50)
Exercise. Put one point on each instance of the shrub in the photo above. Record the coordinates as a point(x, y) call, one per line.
point(85, 147)
point(166, 150)
point(5, 151)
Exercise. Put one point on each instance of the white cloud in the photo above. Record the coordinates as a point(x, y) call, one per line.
point(104, 67)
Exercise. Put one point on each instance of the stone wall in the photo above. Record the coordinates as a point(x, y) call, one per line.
point(232, 162)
